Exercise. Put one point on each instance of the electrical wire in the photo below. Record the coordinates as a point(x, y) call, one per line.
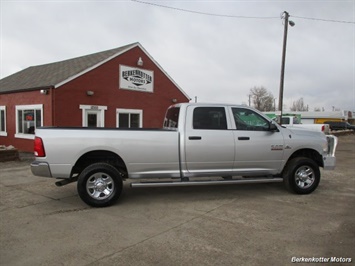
point(326, 20)
point(234, 16)
point(202, 13)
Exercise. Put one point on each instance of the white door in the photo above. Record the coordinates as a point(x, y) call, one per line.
point(209, 145)
point(93, 118)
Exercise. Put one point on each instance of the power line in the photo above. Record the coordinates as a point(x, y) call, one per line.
point(326, 20)
point(235, 16)
point(203, 13)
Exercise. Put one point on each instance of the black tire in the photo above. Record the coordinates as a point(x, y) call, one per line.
point(301, 175)
point(100, 185)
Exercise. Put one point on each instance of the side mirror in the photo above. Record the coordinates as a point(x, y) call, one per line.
point(273, 127)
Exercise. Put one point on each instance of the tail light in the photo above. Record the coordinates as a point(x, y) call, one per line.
point(323, 127)
point(39, 148)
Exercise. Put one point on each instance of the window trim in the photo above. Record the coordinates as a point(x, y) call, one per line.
point(27, 107)
point(3, 132)
point(99, 108)
point(129, 111)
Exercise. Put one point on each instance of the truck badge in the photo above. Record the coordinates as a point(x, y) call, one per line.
point(277, 147)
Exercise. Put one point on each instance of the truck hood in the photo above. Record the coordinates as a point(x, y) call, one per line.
point(304, 132)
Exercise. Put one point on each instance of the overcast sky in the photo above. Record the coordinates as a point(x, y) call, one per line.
point(216, 58)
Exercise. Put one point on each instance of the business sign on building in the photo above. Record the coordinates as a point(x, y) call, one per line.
point(136, 79)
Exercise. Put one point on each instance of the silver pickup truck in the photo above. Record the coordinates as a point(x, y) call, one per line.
point(199, 144)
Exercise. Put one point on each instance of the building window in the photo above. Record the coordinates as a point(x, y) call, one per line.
point(28, 118)
point(129, 118)
point(93, 115)
point(3, 121)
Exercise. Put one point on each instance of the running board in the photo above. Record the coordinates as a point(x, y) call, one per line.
point(206, 182)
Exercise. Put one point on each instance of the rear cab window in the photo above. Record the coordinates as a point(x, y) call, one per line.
point(171, 120)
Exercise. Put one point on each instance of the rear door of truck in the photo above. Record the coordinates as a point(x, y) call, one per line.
point(209, 144)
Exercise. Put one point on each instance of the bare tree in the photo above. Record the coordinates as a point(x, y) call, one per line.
point(263, 100)
point(318, 109)
point(299, 105)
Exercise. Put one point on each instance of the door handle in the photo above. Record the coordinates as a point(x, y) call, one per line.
point(195, 138)
point(243, 138)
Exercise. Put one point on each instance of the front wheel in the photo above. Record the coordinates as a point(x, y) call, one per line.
point(301, 175)
point(99, 185)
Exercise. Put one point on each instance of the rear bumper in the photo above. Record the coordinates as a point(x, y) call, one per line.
point(41, 169)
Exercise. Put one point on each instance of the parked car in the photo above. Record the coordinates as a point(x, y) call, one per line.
point(339, 125)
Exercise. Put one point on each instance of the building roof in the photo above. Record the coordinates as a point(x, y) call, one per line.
point(50, 75)
point(58, 73)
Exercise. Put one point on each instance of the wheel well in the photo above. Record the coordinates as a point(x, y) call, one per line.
point(99, 156)
point(309, 153)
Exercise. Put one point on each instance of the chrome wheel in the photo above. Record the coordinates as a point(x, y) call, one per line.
point(304, 177)
point(100, 186)
point(301, 175)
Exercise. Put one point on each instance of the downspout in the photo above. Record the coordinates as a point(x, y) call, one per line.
point(52, 90)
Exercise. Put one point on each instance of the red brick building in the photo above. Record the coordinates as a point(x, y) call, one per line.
point(122, 87)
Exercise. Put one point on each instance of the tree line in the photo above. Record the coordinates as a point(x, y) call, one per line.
point(263, 100)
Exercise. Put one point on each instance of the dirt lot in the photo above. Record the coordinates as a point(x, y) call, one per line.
point(261, 224)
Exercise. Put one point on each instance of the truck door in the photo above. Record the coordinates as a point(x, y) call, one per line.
point(257, 149)
point(209, 145)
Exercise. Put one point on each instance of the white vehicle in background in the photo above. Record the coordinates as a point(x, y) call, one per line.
point(294, 121)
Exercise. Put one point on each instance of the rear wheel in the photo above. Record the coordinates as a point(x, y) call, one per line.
point(301, 175)
point(100, 185)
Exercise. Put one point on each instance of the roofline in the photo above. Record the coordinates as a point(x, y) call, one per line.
point(94, 66)
point(165, 73)
point(133, 45)
point(29, 89)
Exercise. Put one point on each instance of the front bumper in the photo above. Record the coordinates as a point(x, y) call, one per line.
point(329, 159)
point(329, 162)
point(41, 169)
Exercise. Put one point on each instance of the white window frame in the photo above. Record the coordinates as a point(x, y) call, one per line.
point(91, 109)
point(3, 131)
point(22, 108)
point(129, 111)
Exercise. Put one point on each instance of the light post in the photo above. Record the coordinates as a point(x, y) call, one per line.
point(281, 92)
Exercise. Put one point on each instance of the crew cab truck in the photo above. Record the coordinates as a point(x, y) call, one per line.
point(227, 144)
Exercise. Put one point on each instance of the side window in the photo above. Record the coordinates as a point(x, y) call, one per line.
point(28, 118)
point(246, 119)
point(129, 118)
point(3, 121)
point(209, 118)
point(172, 118)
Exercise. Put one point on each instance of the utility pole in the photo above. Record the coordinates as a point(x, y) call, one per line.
point(281, 92)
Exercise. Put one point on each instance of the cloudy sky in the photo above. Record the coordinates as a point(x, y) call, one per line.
point(218, 52)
